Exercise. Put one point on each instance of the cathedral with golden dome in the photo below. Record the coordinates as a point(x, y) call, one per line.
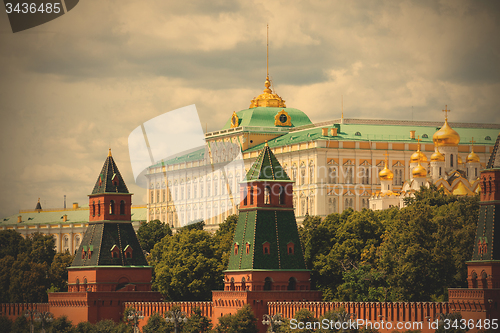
point(445, 169)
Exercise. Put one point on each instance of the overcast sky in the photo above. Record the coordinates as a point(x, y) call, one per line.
point(73, 87)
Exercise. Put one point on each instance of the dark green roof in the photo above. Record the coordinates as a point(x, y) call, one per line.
point(264, 116)
point(108, 177)
point(256, 227)
point(101, 238)
point(266, 167)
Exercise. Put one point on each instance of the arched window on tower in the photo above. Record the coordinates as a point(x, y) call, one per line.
point(451, 160)
point(268, 283)
point(251, 195)
point(267, 195)
point(93, 208)
point(99, 208)
point(282, 195)
point(122, 207)
point(243, 284)
point(112, 207)
point(292, 283)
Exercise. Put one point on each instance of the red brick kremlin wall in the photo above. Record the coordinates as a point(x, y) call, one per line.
point(14, 310)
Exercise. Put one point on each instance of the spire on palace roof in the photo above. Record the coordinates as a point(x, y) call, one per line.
point(110, 180)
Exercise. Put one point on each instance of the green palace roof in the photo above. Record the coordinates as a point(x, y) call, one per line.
point(390, 133)
point(264, 116)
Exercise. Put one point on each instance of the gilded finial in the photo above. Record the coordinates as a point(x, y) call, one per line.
point(266, 145)
point(109, 152)
point(446, 112)
point(38, 199)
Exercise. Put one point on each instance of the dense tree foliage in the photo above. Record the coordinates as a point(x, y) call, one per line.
point(152, 232)
point(189, 264)
point(412, 254)
point(243, 321)
point(29, 267)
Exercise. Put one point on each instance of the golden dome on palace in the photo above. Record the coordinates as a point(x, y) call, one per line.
point(472, 157)
point(460, 162)
point(437, 157)
point(446, 136)
point(419, 171)
point(267, 98)
point(386, 174)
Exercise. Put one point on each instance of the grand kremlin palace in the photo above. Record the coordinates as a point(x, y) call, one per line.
point(335, 164)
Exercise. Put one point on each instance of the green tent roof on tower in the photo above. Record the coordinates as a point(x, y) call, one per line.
point(110, 180)
point(267, 167)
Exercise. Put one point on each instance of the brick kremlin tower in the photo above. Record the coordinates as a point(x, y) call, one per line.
point(482, 298)
point(266, 261)
point(109, 267)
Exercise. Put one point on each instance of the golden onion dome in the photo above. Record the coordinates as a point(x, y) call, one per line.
point(437, 157)
point(460, 162)
point(446, 136)
point(472, 157)
point(419, 171)
point(386, 174)
point(418, 156)
point(267, 98)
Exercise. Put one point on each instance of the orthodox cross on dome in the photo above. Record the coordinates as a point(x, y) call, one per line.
point(472, 141)
point(446, 112)
point(386, 157)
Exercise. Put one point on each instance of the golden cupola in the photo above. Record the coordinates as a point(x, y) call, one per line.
point(419, 171)
point(267, 98)
point(437, 156)
point(418, 155)
point(386, 173)
point(472, 157)
point(460, 162)
point(446, 136)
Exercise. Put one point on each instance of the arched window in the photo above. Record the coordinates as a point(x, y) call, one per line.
point(294, 172)
point(235, 249)
point(251, 195)
point(99, 208)
point(267, 195)
point(290, 248)
point(266, 248)
point(77, 284)
point(243, 284)
point(268, 283)
point(311, 173)
point(451, 160)
point(93, 208)
point(292, 283)
point(231, 287)
point(122, 207)
point(112, 207)
point(282, 195)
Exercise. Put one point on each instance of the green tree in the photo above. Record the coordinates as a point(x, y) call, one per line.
point(20, 325)
point(61, 325)
point(302, 317)
point(363, 284)
point(58, 272)
point(11, 243)
point(28, 281)
point(156, 324)
point(243, 321)
point(6, 264)
point(84, 327)
point(197, 323)
point(223, 242)
point(152, 232)
point(425, 247)
point(340, 243)
point(5, 324)
point(41, 248)
point(185, 265)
